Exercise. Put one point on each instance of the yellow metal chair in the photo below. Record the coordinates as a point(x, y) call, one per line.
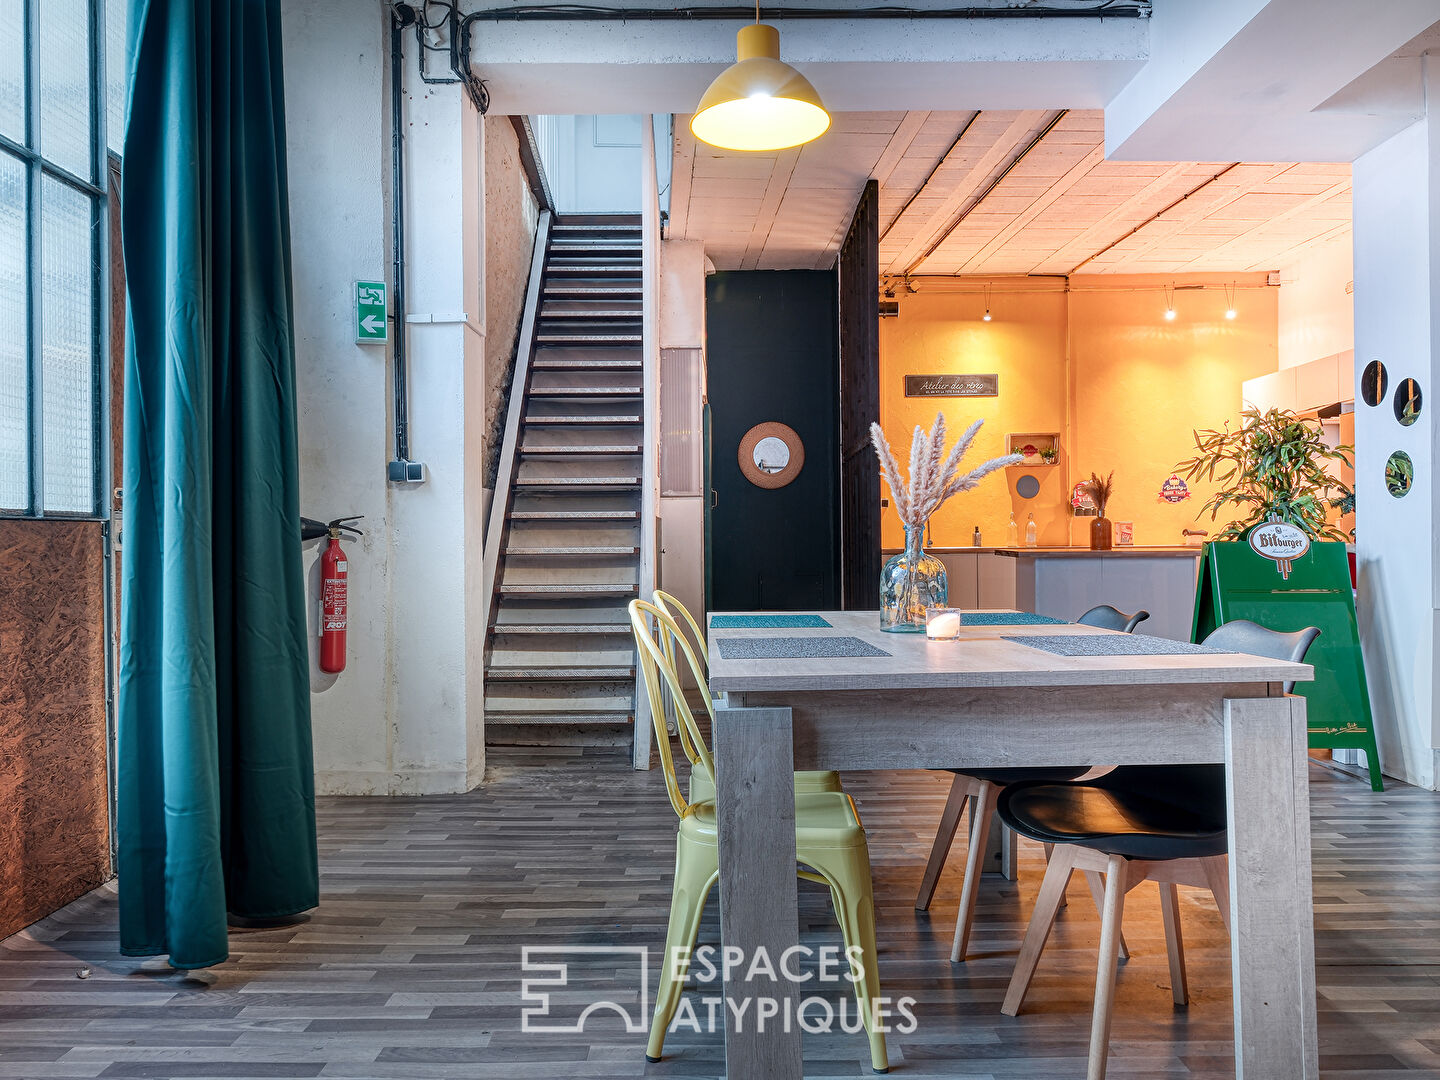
point(701, 787)
point(829, 840)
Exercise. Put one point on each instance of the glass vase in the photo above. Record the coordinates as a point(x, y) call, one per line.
point(1102, 534)
point(909, 583)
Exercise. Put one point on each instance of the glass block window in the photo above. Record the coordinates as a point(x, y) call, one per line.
point(53, 110)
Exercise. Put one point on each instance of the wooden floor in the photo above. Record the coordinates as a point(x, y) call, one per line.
point(411, 966)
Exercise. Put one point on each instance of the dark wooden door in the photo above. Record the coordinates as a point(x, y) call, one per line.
point(859, 285)
point(771, 356)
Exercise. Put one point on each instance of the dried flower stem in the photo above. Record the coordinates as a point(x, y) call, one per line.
point(934, 475)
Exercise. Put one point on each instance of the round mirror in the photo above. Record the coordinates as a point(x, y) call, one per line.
point(1407, 402)
point(1027, 487)
point(1399, 474)
point(771, 455)
point(1373, 383)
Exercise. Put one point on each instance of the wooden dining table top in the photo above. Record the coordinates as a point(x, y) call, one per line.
point(980, 656)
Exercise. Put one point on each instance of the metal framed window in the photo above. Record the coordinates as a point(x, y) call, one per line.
point(53, 289)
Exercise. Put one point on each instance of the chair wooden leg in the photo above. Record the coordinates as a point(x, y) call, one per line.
point(974, 859)
point(1174, 942)
point(1096, 881)
point(1057, 876)
point(1115, 888)
point(1217, 876)
point(944, 836)
point(1050, 850)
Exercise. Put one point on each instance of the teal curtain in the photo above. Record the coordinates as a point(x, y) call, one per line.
point(215, 777)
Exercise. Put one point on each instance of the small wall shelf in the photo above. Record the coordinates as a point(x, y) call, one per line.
point(1032, 444)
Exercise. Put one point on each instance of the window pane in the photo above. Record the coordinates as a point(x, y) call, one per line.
point(14, 368)
point(116, 73)
point(65, 85)
point(12, 69)
point(67, 344)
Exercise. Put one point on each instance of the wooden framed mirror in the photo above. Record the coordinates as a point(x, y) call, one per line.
point(771, 455)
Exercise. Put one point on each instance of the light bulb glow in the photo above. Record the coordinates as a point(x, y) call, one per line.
point(1230, 313)
point(1170, 314)
point(759, 102)
point(987, 315)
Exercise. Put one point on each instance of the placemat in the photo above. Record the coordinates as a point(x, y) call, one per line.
point(1110, 645)
point(794, 648)
point(1007, 618)
point(721, 622)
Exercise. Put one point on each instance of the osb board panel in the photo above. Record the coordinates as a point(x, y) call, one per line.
point(54, 840)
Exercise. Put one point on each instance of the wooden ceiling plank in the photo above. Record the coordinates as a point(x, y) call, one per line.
point(780, 173)
point(898, 145)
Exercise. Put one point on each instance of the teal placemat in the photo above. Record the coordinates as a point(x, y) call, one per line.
point(794, 648)
point(1111, 645)
point(767, 622)
point(1007, 618)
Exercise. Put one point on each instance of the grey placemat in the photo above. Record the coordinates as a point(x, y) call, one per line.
point(1007, 618)
point(767, 622)
point(1109, 645)
point(794, 648)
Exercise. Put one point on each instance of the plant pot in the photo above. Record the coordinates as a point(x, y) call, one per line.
point(911, 582)
point(1102, 534)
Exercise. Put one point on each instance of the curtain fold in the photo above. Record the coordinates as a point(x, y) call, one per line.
point(215, 773)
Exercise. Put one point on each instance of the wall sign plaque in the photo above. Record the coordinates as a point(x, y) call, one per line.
point(1280, 541)
point(952, 385)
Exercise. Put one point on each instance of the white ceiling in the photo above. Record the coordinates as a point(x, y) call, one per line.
point(999, 192)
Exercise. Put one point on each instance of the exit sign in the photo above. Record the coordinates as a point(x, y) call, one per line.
point(372, 323)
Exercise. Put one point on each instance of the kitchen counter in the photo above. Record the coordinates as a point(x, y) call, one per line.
point(1189, 551)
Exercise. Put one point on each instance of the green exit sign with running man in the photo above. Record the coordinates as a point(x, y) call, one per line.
point(372, 323)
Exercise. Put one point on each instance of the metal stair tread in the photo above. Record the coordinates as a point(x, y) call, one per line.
point(576, 672)
point(557, 718)
point(611, 421)
point(533, 552)
point(553, 337)
point(581, 364)
point(627, 448)
point(608, 588)
point(575, 515)
point(578, 481)
point(586, 391)
point(561, 628)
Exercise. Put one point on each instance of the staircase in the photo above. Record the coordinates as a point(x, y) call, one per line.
point(560, 662)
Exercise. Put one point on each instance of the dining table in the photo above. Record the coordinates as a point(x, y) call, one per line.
point(831, 690)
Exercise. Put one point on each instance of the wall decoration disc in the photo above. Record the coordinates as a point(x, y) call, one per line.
point(1027, 487)
point(1399, 474)
point(771, 455)
point(1174, 490)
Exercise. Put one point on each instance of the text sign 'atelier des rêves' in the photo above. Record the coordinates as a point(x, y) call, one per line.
point(952, 385)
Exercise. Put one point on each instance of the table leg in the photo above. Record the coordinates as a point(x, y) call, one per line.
point(755, 811)
point(1272, 938)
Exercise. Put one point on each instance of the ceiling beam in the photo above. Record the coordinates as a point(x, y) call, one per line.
point(682, 173)
point(1102, 232)
point(960, 188)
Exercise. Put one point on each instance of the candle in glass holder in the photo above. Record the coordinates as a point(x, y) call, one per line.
point(942, 624)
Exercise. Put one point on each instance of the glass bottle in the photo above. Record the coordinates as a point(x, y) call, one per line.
point(975, 540)
point(910, 582)
point(1030, 531)
point(1012, 532)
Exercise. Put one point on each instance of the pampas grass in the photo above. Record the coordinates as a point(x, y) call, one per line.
point(1100, 490)
point(934, 474)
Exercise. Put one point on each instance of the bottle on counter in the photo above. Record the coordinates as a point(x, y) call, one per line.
point(1012, 532)
point(1030, 532)
point(975, 540)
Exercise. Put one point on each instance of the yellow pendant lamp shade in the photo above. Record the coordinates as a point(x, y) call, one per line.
point(759, 103)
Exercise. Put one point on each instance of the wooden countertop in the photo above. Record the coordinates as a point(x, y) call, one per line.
point(1175, 551)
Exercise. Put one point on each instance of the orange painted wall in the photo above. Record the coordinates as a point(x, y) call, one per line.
point(1134, 389)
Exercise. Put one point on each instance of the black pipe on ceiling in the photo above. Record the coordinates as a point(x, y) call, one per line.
point(1106, 9)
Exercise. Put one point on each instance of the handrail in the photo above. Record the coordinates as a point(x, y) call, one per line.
point(533, 162)
point(650, 358)
point(514, 421)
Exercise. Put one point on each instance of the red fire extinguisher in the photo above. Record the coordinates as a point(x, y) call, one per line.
point(334, 597)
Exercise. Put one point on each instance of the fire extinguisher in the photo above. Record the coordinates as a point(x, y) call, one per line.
point(334, 596)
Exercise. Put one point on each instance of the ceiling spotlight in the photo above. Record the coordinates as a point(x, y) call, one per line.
point(1230, 311)
point(759, 103)
point(1169, 303)
point(986, 316)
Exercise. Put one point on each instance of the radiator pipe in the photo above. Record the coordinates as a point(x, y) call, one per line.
point(401, 469)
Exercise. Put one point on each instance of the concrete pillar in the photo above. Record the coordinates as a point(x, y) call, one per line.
point(1397, 321)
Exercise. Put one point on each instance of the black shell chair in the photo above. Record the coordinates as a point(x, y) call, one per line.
point(1165, 823)
point(984, 785)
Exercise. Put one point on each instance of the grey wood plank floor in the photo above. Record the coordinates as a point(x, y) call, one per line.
point(411, 966)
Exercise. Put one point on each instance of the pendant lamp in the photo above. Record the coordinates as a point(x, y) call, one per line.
point(759, 103)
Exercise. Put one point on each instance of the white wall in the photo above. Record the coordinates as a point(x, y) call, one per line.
point(591, 162)
point(1316, 312)
point(1397, 269)
point(407, 714)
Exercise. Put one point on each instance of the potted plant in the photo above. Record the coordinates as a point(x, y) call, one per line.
point(1271, 467)
point(913, 580)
